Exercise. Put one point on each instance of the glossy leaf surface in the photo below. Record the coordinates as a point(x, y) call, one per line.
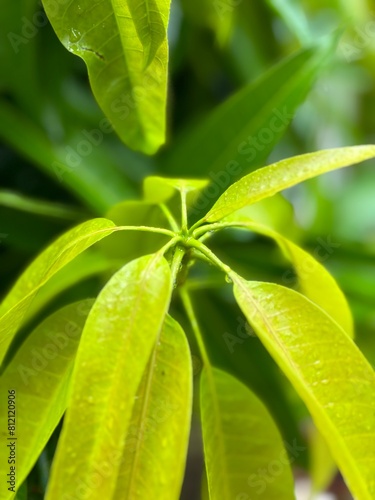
point(284, 174)
point(240, 440)
point(158, 434)
point(118, 339)
point(124, 45)
point(40, 374)
point(328, 371)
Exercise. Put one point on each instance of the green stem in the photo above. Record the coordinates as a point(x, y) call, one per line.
point(147, 229)
point(168, 214)
point(185, 297)
point(176, 264)
point(196, 225)
point(169, 245)
point(184, 219)
point(210, 255)
point(216, 227)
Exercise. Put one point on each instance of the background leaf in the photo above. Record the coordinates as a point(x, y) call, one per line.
point(124, 46)
point(134, 244)
point(159, 429)
point(117, 342)
point(240, 440)
point(328, 371)
point(219, 145)
point(40, 374)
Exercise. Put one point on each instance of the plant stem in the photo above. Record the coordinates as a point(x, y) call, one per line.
point(210, 255)
point(168, 214)
point(185, 297)
point(184, 220)
point(216, 227)
point(176, 264)
point(148, 229)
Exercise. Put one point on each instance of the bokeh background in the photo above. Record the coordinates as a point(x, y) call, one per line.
point(216, 48)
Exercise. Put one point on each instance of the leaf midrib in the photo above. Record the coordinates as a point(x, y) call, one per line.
point(304, 388)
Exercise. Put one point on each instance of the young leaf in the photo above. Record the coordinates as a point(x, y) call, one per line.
point(39, 374)
point(315, 282)
point(241, 442)
point(158, 433)
point(118, 339)
point(124, 45)
point(226, 152)
point(54, 258)
point(328, 371)
point(274, 178)
point(161, 189)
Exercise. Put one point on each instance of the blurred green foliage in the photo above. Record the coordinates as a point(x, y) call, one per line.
point(59, 165)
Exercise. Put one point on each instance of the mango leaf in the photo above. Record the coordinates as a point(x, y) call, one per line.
point(326, 368)
point(125, 48)
point(315, 282)
point(158, 434)
point(233, 346)
point(39, 374)
point(284, 174)
point(98, 186)
point(86, 265)
point(133, 244)
point(48, 263)
point(162, 189)
point(241, 441)
point(258, 116)
point(117, 342)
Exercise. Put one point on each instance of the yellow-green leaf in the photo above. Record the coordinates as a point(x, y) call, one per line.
point(158, 434)
point(327, 369)
point(48, 263)
point(274, 178)
point(118, 339)
point(314, 280)
point(39, 374)
point(161, 189)
point(124, 45)
point(241, 442)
